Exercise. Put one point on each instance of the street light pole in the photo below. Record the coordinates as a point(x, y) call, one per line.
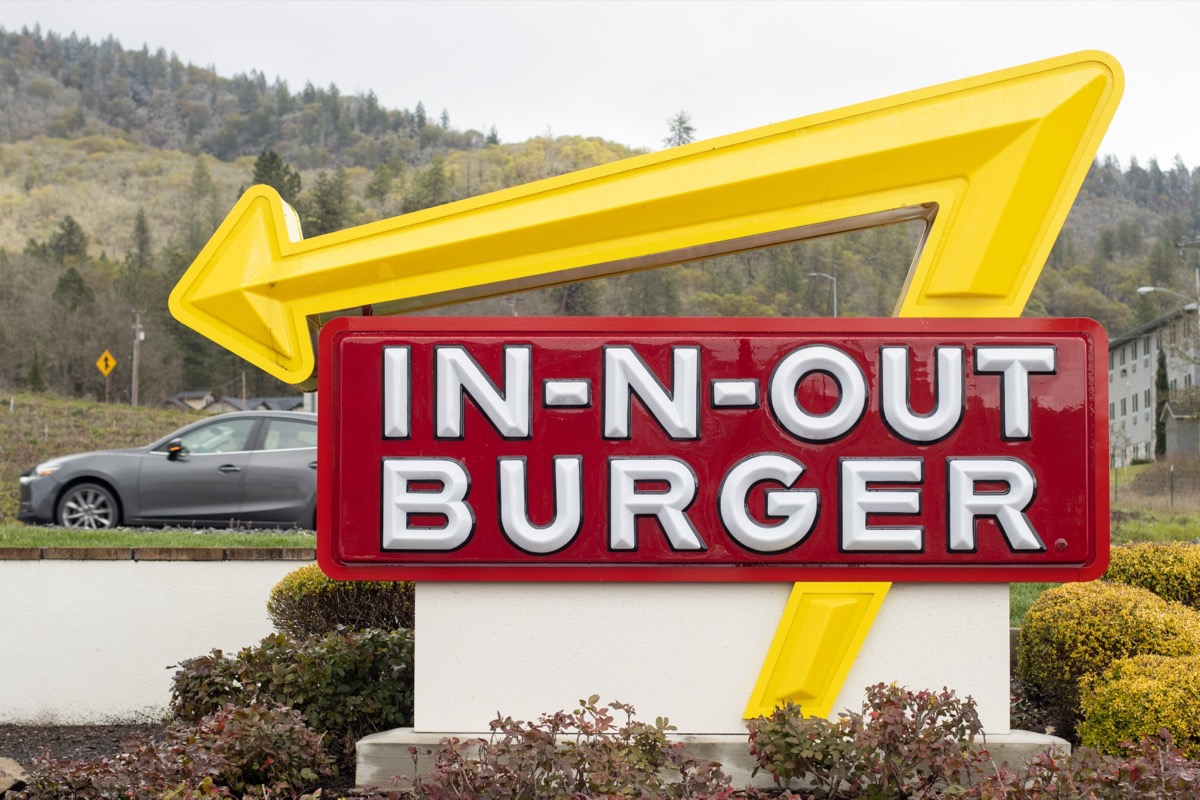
point(833, 281)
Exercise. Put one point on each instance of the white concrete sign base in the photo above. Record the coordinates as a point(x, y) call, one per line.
point(690, 652)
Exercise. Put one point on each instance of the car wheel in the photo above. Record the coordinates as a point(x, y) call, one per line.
point(88, 505)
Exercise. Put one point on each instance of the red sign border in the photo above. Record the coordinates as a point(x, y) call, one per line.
point(327, 498)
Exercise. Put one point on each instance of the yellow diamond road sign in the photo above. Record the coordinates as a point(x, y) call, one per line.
point(106, 363)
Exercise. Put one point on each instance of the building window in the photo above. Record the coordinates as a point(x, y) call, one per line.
point(1174, 384)
point(1123, 407)
point(1146, 346)
point(1187, 381)
point(1134, 367)
point(1135, 408)
point(1111, 406)
point(1146, 398)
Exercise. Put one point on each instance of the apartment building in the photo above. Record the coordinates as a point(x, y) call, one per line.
point(1132, 369)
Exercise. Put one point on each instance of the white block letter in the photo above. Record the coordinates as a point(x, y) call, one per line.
point(1015, 364)
point(1008, 507)
point(625, 374)
point(397, 392)
point(858, 501)
point(459, 374)
point(400, 502)
point(797, 507)
point(852, 388)
point(568, 505)
point(626, 502)
point(895, 394)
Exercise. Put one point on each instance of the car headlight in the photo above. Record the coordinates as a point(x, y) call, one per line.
point(46, 468)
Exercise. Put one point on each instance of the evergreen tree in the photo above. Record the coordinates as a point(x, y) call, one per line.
point(270, 170)
point(140, 257)
point(432, 187)
point(137, 268)
point(72, 291)
point(35, 377)
point(493, 136)
point(68, 245)
point(419, 117)
point(653, 293)
point(579, 299)
point(681, 130)
point(445, 120)
point(1161, 390)
point(331, 203)
point(201, 211)
point(380, 185)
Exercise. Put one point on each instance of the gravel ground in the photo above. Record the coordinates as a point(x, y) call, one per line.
point(23, 743)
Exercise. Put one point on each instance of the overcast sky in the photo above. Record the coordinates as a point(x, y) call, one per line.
point(620, 69)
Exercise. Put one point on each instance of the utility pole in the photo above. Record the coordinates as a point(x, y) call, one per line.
point(139, 334)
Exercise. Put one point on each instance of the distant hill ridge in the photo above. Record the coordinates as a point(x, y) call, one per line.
point(68, 87)
point(117, 165)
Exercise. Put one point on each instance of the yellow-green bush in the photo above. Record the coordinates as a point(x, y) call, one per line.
point(1079, 629)
point(307, 603)
point(1135, 697)
point(1170, 570)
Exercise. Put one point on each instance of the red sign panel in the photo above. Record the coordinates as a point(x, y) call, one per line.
point(712, 449)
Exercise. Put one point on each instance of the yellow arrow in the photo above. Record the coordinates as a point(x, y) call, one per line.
point(992, 163)
point(821, 630)
point(824, 625)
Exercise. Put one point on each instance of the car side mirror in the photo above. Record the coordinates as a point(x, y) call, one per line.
point(174, 449)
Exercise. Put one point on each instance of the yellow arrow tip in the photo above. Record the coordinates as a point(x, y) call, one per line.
point(213, 297)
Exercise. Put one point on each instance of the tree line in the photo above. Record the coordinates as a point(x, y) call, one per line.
point(344, 161)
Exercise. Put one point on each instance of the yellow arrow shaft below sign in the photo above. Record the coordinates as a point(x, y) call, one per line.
point(992, 163)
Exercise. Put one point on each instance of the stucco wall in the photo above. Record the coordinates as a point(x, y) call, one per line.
point(690, 652)
point(92, 640)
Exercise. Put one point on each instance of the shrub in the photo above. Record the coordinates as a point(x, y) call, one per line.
point(1078, 629)
point(347, 684)
point(582, 753)
point(904, 744)
point(1138, 696)
point(147, 770)
point(236, 752)
point(267, 748)
point(1154, 769)
point(1170, 570)
point(307, 603)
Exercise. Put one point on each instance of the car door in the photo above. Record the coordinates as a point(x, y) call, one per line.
point(281, 477)
point(204, 482)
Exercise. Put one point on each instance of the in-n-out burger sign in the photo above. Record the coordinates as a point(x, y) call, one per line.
point(714, 449)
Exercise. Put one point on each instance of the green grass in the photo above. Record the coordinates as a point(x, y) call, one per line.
point(1130, 524)
point(35, 536)
point(1020, 597)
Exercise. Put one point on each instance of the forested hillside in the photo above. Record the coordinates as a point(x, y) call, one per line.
point(116, 165)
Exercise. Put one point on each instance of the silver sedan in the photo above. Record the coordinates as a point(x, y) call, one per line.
point(245, 469)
